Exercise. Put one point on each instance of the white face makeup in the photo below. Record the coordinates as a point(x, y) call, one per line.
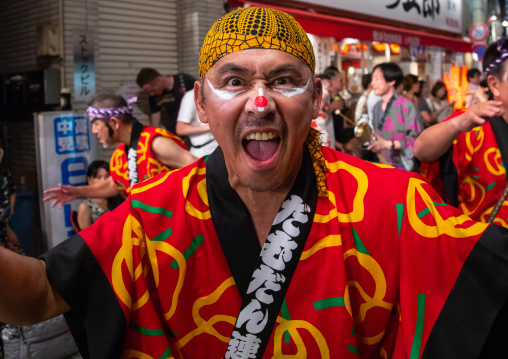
point(224, 95)
point(294, 91)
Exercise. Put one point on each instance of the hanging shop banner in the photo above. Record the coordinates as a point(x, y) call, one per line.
point(65, 147)
point(323, 46)
point(456, 83)
point(439, 14)
point(84, 65)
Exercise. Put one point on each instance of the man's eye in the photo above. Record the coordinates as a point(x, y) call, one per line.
point(281, 81)
point(234, 82)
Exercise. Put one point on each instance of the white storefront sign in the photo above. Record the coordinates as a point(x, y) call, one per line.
point(439, 14)
point(65, 147)
point(322, 48)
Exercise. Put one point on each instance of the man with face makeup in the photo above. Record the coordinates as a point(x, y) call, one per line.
point(273, 245)
point(143, 151)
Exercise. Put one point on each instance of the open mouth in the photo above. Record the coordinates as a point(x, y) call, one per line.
point(261, 146)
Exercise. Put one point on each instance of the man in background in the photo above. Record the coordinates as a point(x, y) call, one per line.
point(474, 77)
point(465, 155)
point(337, 106)
point(394, 119)
point(142, 151)
point(166, 93)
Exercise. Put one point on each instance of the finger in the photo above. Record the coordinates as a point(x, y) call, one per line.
point(486, 111)
point(479, 120)
point(66, 188)
point(494, 111)
point(53, 204)
point(51, 190)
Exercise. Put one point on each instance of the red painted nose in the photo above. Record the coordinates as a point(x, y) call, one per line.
point(260, 101)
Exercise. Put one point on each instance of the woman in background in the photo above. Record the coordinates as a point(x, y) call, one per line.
point(411, 90)
point(92, 208)
point(438, 102)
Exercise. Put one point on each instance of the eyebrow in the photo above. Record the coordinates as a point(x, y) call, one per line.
point(228, 68)
point(284, 69)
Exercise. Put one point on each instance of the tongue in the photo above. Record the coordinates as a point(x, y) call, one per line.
point(261, 150)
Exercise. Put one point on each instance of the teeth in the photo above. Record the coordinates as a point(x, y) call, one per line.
point(261, 136)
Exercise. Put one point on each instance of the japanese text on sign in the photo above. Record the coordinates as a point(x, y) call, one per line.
point(84, 65)
point(428, 8)
point(437, 14)
point(71, 135)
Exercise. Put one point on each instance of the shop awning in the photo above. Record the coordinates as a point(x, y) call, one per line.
point(340, 28)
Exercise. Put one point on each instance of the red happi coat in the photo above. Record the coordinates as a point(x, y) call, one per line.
point(385, 272)
point(148, 165)
point(479, 174)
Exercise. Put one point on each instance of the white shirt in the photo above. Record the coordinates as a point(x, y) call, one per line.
point(371, 102)
point(202, 144)
point(362, 101)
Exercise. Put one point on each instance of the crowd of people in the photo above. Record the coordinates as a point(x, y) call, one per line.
point(274, 238)
point(404, 110)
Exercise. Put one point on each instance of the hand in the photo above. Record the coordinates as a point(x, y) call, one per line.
point(379, 143)
point(61, 195)
point(336, 105)
point(478, 114)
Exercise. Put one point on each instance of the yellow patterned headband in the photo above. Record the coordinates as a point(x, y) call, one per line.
point(255, 27)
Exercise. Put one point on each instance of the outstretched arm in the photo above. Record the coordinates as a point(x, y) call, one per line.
point(64, 194)
point(435, 140)
point(169, 153)
point(27, 295)
point(184, 129)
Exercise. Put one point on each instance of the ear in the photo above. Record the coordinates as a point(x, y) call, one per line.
point(494, 85)
point(317, 97)
point(114, 123)
point(200, 101)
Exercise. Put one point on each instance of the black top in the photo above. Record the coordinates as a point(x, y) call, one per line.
point(170, 100)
